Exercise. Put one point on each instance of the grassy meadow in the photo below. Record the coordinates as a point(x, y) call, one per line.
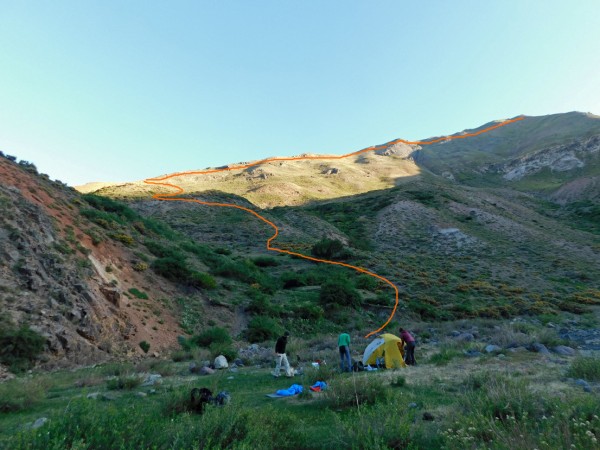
point(506, 399)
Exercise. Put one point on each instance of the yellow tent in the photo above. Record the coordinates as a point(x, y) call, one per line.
point(388, 346)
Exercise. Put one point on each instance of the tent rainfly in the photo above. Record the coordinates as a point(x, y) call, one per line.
point(388, 346)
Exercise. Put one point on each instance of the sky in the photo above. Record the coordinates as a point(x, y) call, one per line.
point(127, 90)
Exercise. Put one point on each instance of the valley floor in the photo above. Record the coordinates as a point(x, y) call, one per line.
point(458, 396)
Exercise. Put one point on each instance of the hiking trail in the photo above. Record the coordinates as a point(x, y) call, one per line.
point(159, 181)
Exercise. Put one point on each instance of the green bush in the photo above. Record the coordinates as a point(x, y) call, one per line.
point(220, 348)
point(262, 328)
point(355, 391)
point(265, 261)
point(145, 346)
point(21, 394)
point(398, 381)
point(202, 280)
point(586, 367)
point(211, 336)
point(127, 382)
point(328, 248)
point(444, 356)
point(336, 293)
point(19, 347)
point(139, 294)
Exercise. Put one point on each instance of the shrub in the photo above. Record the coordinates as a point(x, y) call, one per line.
point(21, 394)
point(211, 336)
point(586, 367)
point(182, 355)
point(202, 280)
point(444, 356)
point(262, 328)
point(145, 346)
point(140, 266)
point(19, 347)
point(124, 382)
point(399, 381)
point(139, 294)
point(260, 305)
point(219, 348)
point(322, 373)
point(265, 261)
point(328, 248)
point(337, 293)
point(124, 238)
point(355, 391)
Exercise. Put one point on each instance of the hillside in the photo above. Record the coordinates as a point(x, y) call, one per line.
point(97, 277)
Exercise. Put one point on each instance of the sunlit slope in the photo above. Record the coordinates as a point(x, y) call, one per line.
point(293, 182)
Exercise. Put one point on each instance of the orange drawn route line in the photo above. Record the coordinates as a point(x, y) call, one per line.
point(159, 181)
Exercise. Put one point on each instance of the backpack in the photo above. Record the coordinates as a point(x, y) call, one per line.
point(357, 366)
point(222, 398)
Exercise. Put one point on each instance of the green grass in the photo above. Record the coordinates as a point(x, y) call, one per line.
point(586, 367)
point(474, 409)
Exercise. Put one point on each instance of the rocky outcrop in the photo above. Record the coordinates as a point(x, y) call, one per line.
point(557, 158)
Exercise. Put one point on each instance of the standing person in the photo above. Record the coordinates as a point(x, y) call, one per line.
point(344, 347)
point(281, 356)
point(409, 347)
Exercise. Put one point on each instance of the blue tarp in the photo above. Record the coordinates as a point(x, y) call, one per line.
point(293, 390)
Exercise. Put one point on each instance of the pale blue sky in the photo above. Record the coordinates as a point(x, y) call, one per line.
point(125, 90)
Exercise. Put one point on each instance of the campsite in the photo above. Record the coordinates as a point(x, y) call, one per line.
point(299, 225)
point(506, 398)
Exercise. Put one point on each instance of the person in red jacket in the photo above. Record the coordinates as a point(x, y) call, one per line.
point(409, 347)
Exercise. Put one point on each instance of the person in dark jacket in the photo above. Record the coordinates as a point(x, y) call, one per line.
point(281, 357)
point(409, 347)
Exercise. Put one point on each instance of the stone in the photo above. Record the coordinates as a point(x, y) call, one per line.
point(412, 405)
point(584, 384)
point(491, 348)
point(221, 362)
point(194, 368)
point(112, 295)
point(238, 362)
point(39, 423)
point(152, 379)
point(473, 353)
point(564, 350)
point(93, 395)
point(455, 333)
point(206, 371)
point(141, 394)
point(538, 348)
point(233, 369)
point(466, 337)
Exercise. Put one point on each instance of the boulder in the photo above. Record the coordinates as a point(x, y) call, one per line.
point(206, 371)
point(538, 348)
point(466, 337)
point(473, 353)
point(491, 348)
point(112, 295)
point(152, 379)
point(221, 362)
point(564, 350)
point(39, 423)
